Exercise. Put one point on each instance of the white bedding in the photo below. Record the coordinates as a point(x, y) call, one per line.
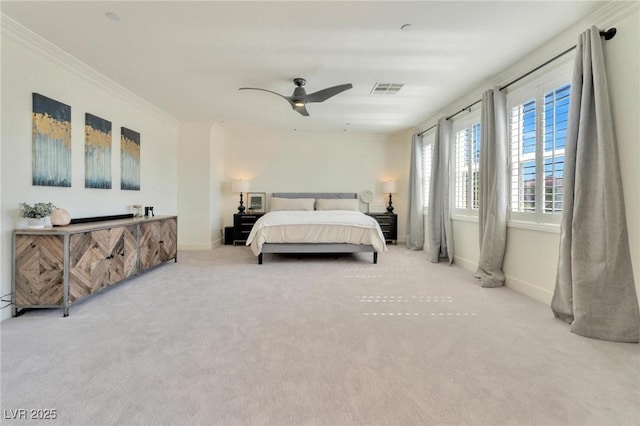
point(327, 226)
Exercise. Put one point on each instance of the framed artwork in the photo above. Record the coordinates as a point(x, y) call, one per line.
point(97, 152)
point(51, 130)
point(256, 202)
point(129, 159)
point(377, 208)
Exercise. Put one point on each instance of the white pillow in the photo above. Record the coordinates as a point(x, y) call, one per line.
point(338, 204)
point(284, 204)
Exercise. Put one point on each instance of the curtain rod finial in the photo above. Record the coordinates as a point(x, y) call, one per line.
point(609, 34)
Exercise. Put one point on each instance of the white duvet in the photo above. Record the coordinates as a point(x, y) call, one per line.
point(325, 226)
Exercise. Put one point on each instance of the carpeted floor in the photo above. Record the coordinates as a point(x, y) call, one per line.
point(218, 340)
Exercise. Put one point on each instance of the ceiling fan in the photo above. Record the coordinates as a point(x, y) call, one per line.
point(300, 98)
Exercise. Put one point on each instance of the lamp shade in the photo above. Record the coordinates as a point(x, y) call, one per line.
point(389, 187)
point(239, 185)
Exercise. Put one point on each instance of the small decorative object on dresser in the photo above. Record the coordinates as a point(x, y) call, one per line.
point(256, 202)
point(60, 217)
point(35, 214)
point(377, 207)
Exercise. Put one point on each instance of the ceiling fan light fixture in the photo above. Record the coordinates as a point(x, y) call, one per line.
point(299, 103)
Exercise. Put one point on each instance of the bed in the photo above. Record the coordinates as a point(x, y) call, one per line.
point(316, 223)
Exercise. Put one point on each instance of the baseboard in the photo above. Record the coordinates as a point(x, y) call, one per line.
point(465, 263)
point(528, 289)
point(195, 246)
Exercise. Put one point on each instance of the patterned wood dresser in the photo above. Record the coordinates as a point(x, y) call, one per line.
point(56, 267)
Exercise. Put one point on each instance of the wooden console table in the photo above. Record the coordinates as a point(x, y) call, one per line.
point(56, 267)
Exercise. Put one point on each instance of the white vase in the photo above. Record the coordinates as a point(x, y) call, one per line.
point(35, 223)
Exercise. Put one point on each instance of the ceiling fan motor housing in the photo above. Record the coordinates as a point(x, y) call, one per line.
point(299, 93)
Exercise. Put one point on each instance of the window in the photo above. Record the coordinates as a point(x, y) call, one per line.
point(466, 164)
point(538, 129)
point(427, 141)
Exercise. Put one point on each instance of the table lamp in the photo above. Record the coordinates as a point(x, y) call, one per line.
point(240, 185)
point(389, 186)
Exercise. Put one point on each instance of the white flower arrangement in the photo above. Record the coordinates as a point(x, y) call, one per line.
point(37, 211)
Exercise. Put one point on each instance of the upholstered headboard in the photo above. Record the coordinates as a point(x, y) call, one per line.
point(325, 195)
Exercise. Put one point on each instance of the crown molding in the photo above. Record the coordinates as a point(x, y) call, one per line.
point(604, 18)
point(612, 12)
point(26, 38)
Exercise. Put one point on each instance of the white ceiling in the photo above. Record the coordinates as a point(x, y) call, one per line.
point(190, 58)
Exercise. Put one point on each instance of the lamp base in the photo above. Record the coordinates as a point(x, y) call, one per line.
point(241, 207)
point(390, 206)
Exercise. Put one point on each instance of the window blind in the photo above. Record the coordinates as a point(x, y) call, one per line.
point(462, 169)
point(556, 113)
point(538, 131)
point(523, 157)
point(467, 161)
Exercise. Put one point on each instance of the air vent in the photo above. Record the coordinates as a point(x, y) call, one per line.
point(386, 88)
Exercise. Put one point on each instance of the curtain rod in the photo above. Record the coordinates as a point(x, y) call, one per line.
point(608, 35)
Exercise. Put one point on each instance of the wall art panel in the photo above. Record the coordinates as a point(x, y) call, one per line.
point(129, 159)
point(51, 128)
point(97, 152)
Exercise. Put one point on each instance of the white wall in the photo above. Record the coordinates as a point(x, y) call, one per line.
point(532, 255)
point(4, 263)
point(30, 64)
point(217, 141)
point(200, 174)
point(622, 56)
point(194, 180)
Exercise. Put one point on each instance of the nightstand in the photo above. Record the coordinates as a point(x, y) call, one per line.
point(388, 223)
point(242, 224)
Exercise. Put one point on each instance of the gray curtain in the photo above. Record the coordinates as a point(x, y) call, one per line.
point(493, 188)
point(415, 219)
point(439, 235)
point(595, 289)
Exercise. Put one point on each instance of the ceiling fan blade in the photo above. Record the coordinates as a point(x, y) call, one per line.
point(299, 99)
point(286, 98)
point(324, 94)
point(301, 109)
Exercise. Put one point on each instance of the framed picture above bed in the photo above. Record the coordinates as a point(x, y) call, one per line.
point(256, 202)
